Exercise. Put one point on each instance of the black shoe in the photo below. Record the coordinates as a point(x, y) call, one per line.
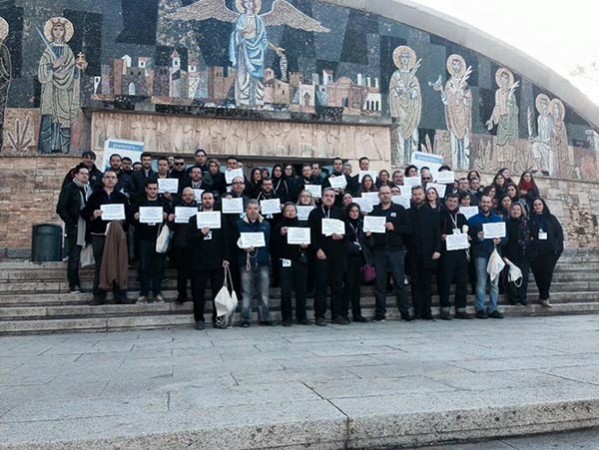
point(321, 322)
point(245, 324)
point(304, 322)
point(463, 315)
point(496, 315)
point(98, 300)
point(341, 321)
point(379, 319)
point(287, 323)
point(445, 316)
point(428, 317)
point(266, 323)
point(200, 325)
point(360, 319)
point(481, 315)
point(407, 318)
point(180, 300)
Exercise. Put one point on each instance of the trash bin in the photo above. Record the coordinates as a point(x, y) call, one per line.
point(46, 243)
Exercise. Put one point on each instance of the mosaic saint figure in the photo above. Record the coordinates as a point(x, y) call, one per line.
point(5, 74)
point(59, 73)
point(542, 150)
point(249, 42)
point(457, 98)
point(405, 100)
point(505, 113)
point(559, 137)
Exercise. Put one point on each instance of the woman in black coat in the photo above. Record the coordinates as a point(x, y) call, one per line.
point(519, 250)
point(358, 254)
point(548, 239)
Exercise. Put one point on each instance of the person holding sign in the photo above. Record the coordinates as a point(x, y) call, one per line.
point(519, 251)
point(358, 254)
point(141, 177)
point(389, 254)
point(293, 261)
point(168, 186)
point(211, 252)
point(548, 239)
point(151, 263)
point(254, 263)
point(92, 213)
point(480, 251)
point(338, 180)
point(268, 193)
point(453, 264)
point(329, 261)
point(424, 251)
point(181, 253)
point(195, 180)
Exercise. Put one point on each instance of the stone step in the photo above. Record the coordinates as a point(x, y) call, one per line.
point(23, 312)
point(183, 318)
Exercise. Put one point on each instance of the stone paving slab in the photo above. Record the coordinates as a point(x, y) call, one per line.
point(370, 385)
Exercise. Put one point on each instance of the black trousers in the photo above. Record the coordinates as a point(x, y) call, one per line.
point(100, 294)
point(351, 289)
point(293, 280)
point(151, 266)
point(453, 268)
point(520, 294)
point(542, 269)
point(422, 278)
point(74, 257)
point(328, 272)
point(393, 262)
point(198, 290)
point(182, 258)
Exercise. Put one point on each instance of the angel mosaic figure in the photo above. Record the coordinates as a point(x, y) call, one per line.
point(59, 73)
point(457, 98)
point(542, 149)
point(249, 43)
point(505, 113)
point(405, 100)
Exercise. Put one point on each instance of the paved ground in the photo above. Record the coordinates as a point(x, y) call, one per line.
point(364, 384)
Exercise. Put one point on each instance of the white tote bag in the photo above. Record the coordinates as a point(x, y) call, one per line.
point(226, 299)
point(87, 256)
point(495, 265)
point(163, 241)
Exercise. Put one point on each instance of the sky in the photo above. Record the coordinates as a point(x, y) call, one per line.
point(559, 34)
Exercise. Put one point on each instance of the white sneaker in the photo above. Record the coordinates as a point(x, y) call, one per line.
point(159, 299)
point(143, 300)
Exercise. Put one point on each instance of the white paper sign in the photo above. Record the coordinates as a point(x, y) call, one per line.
point(469, 211)
point(298, 236)
point(314, 189)
point(364, 203)
point(113, 212)
point(374, 224)
point(363, 173)
point(372, 197)
point(402, 200)
point(209, 219)
point(271, 206)
point(339, 182)
point(255, 240)
point(303, 212)
point(494, 230)
point(406, 191)
point(232, 205)
point(230, 175)
point(457, 242)
point(333, 226)
point(170, 185)
point(440, 188)
point(421, 159)
point(184, 213)
point(412, 181)
point(198, 194)
point(151, 214)
point(445, 177)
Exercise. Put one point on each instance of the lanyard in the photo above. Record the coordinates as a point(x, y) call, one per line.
point(327, 214)
point(455, 221)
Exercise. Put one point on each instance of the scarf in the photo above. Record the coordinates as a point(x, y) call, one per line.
point(526, 186)
point(85, 191)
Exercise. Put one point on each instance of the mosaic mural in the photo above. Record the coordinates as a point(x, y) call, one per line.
point(275, 59)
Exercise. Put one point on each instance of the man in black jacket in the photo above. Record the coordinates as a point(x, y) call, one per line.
point(141, 178)
point(71, 201)
point(88, 159)
point(338, 172)
point(424, 250)
point(92, 213)
point(453, 264)
point(329, 261)
point(200, 161)
point(211, 254)
point(389, 254)
point(125, 183)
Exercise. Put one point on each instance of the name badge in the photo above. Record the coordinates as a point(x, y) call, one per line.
point(286, 262)
point(208, 237)
point(456, 231)
point(393, 214)
point(542, 236)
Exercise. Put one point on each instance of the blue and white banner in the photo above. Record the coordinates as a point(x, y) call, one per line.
point(132, 149)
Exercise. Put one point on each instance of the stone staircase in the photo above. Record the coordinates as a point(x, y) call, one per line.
point(35, 299)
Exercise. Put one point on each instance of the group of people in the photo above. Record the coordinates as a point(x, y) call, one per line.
point(392, 229)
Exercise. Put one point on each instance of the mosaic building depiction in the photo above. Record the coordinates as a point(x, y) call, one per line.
point(295, 60)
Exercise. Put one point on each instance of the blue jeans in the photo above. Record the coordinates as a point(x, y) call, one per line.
point(480, 264)
point(255, 281)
